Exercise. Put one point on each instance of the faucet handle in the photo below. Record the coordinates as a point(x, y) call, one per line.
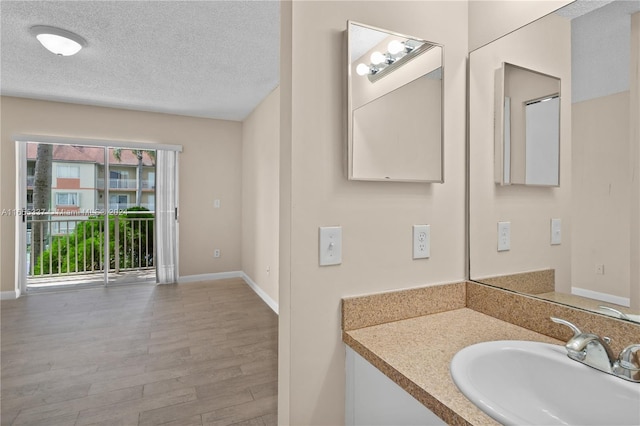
point(628, 364)
point(573, 327)
point(630, 357)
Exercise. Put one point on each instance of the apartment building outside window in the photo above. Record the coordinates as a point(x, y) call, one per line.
point(67, 199)
point(68, 171)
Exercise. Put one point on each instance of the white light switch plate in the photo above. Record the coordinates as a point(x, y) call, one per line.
point(330, 248)
point(504, 236)
point(421, 241)
point(556, 232)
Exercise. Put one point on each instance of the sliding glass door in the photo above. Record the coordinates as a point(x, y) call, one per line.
point(88, 215)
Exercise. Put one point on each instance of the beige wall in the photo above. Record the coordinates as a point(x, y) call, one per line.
point(601, 186)
point(261, 193)
point(376, 217)
point(210, 168)
point(491, 19)
point(545, 47)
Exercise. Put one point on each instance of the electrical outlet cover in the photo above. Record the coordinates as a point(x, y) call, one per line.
point(504, 236)
point(556, 232)
point(421, 241)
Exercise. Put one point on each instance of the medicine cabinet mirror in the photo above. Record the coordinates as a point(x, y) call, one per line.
point(576, 243)
point(395, 90)
point(527, 127)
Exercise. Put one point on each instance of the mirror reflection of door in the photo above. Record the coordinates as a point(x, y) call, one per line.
point(542, 152)
point(528, 143)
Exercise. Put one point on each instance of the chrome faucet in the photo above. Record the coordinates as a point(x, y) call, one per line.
point(620, 314)
point(594, 351)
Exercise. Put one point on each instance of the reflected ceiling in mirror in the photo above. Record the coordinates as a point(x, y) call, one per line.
point(574, 244)
point(394, 105)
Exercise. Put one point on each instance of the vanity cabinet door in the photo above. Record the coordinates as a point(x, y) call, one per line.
point(374, 399)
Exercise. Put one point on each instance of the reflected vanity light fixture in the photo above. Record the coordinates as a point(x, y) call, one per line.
point(398, 53)
point(58, 41)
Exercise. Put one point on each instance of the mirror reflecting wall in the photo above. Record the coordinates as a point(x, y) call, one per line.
point(526, 127)
point(394, 105)
point(576, 243)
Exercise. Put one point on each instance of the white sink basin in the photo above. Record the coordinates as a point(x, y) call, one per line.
point(532, 383)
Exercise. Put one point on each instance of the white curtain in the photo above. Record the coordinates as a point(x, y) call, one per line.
point(166, 216)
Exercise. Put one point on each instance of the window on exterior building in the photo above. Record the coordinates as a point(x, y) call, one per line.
point(120, 179)
point(118, 202)
point(66, 171)
point(67, 199)
point(151, 180)
point(116, 174)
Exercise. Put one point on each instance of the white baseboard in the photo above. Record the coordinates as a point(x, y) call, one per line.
point(210, 277)
point(622, 301)
point(9, 295)
point(260, 292)
point(233, 274)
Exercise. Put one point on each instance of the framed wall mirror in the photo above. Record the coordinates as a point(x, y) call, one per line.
point(576, 243)
point(395, 91)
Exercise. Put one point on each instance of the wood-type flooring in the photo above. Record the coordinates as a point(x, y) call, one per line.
point(188, 354)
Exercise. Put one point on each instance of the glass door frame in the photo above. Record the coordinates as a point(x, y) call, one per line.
point(21, 193)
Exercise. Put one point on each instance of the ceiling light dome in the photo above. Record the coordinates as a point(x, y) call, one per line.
point(58, 41)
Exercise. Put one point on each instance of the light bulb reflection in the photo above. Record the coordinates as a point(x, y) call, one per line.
point(377, 58)
point(362, 69)
point(395, 47)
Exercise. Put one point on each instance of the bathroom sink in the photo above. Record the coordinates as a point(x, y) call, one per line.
point(533, 383)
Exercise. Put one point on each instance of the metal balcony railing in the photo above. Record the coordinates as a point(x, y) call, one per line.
point(71, 246)
point(113, 183)
point(124, 206)
point(125, 183)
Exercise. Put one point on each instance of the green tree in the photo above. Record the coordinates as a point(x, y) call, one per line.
point(82, 250)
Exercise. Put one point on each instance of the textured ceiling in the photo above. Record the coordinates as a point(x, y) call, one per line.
point(216, 59)
point(581, 7)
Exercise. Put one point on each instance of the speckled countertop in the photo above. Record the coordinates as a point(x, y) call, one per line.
point(416, 353)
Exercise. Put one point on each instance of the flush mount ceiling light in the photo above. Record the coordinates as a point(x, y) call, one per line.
point(58, 41)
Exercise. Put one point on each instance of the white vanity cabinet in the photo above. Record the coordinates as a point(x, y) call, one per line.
point(373, 399)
